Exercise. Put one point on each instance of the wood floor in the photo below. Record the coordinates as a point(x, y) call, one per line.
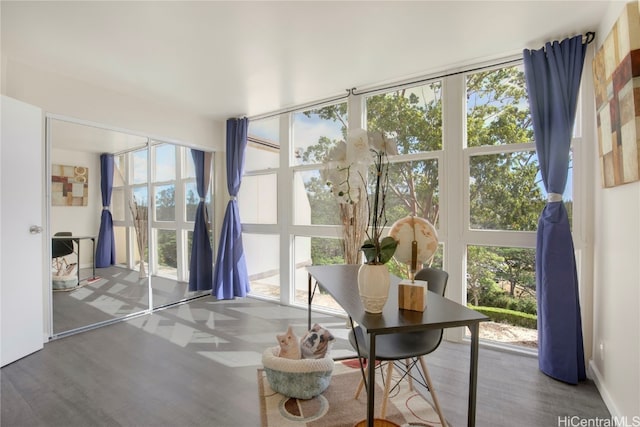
point(195, 365)
point(117, 293)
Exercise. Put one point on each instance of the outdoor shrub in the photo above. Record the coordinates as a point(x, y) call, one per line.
point(503, 315)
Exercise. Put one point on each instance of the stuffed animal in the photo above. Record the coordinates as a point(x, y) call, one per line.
point(289, 347)
point(316, 343)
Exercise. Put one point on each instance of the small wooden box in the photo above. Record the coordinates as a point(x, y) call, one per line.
point(412, 296)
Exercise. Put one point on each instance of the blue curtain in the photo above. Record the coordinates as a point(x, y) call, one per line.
point(553, 79)
point(230, 277)
point(201, 262)
point(106, 247)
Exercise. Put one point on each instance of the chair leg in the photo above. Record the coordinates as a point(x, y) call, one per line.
point(387, 387)
point(361, 384)
point(407, 364)
point(432, 391)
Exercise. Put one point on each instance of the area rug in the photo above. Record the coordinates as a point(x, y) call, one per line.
point(337, 407)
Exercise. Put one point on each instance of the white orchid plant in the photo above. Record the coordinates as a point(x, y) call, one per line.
point(345, 175)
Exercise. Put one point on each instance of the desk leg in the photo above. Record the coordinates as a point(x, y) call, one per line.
point(371, 386)
point(473, 374)
point(93, 241)
point(309, 300)
point(78, 265)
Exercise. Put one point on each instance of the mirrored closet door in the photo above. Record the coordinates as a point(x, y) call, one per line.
point(153, 200)
point(173, 208)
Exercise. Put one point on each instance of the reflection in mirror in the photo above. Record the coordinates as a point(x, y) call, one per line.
point(152, 203)
point(173, 207)
point(89, 297)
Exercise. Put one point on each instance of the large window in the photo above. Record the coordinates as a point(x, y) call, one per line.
point(466, 161)
point(505, 197)
point(413, 116)
point(315, 134)
point(258, 206)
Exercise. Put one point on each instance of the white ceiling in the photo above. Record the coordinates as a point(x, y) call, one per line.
point(223, 59)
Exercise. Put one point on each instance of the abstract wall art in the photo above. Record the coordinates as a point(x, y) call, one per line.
point(616, 72)
point(69, 185)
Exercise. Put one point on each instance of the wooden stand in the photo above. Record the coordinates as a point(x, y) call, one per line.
point(412, 295)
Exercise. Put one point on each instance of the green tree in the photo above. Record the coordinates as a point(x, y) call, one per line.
point(167, 255)
point(504, 193)
point(481, 272)
point(192, 204)
point(165, 211)
point(166, 204)
point(517, 270)
point(414, 119)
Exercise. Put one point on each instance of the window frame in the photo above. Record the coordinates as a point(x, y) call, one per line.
point(453, 159)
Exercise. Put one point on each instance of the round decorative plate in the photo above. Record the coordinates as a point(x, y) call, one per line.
point(408, 229)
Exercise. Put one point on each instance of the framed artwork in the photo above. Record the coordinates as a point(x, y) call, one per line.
point(69, 185)
point(616, 75)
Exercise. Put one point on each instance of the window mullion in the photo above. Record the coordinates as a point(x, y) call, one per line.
point(454, 196)
point(285, 210)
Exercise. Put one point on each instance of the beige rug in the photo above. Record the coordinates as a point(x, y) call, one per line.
point(336, 407)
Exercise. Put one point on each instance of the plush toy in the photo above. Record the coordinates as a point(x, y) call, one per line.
point(316, 343)
point(289, 347)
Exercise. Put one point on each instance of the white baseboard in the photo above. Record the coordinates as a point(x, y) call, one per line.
point(604, 393)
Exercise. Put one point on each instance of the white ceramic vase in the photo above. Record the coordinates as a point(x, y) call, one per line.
point(373, 286)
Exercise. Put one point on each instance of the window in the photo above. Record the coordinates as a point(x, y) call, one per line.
point(505, 198)
point(263, 145)
point(413, 116)
point(466, 161)
point(258, 199)
point(313, 202)
point(258, 205)
point(503, 191)
point(165, 202)
point(315, 251)
point(501, 283)
point(316, 131)
point(262, 253)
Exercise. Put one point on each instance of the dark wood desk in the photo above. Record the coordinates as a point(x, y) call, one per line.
point(341, 283)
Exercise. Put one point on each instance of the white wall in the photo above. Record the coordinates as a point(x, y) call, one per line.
point(79, 220)
point(61, 95)
point(616, 294)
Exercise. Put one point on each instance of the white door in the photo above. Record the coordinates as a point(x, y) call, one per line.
point(21, 233)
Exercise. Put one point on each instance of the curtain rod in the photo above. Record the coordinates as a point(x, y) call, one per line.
point(299, 107)
point(353, 90)
point(590, 36)
point(434, 77)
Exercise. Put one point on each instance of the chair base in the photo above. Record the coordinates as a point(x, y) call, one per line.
point(377, 422)
point(387, 387)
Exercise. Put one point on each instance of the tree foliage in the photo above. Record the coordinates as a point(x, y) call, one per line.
point(166, 239)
